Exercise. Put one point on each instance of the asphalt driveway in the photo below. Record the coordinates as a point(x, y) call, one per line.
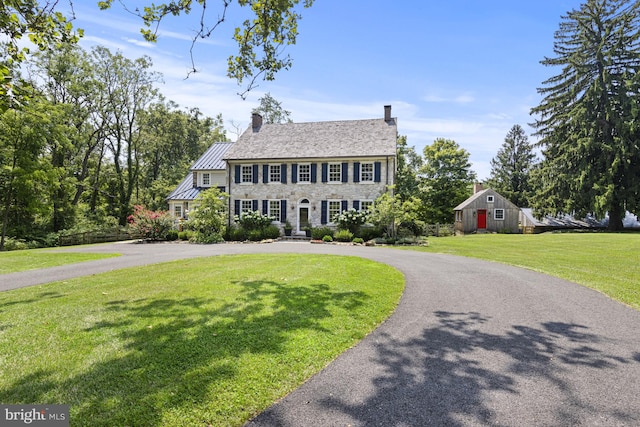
point(471, 343)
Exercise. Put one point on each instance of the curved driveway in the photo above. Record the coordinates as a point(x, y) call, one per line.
point(471, 343)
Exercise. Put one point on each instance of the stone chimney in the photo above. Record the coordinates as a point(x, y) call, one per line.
point(477, 187)
point(256, 122)
point(387, 113)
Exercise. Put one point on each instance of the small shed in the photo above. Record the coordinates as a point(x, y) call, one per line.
point(486, 211)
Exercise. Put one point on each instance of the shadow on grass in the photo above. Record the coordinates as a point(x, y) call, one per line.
point(445, 377)
point(171, 352)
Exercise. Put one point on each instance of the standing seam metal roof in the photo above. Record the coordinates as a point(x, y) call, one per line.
point(212, 159)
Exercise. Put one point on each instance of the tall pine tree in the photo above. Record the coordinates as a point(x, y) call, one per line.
point(511, 168)
point(588, 118)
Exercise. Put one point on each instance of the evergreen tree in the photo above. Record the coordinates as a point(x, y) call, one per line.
point(511, 168)
point(588, 117)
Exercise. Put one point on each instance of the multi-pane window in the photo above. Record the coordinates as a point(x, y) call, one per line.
point(335, 174)
point(206, 179)
point(366, 172)
point(304, 173)
point(274, 173)
point(489, 199)
point(274, 209)
point(246, 174)
point(177, 211)
point(498, 214)
point(334, 208)
point(365, 205)
point(246, 206)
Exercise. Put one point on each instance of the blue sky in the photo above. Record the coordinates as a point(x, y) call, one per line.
point(462, 69)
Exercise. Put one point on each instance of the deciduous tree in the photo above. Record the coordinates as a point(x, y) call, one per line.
point(445, 179)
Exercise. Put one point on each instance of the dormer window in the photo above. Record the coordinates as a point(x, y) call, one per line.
point(206, 179)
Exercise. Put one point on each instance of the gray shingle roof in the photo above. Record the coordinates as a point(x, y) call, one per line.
point(212, 159)
point(348, 138)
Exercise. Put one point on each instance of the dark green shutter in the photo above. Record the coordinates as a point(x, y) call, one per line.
point(345, 172)
point(356, 172)
point(324, 211)
point(377, 171)
point(265, 174)
point(294, 173)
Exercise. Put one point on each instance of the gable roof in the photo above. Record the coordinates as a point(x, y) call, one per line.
point(347, 138)
point(479, 194)
point(213, 158)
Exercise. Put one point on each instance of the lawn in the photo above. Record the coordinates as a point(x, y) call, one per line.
point(14, 261)
point(205, 341)
point(607, 262)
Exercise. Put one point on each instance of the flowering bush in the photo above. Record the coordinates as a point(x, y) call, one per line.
point(350, 220)
point(208, 218)
point(151, 225)
point(253, 220)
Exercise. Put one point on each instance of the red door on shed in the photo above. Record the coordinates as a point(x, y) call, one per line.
point(482, 218)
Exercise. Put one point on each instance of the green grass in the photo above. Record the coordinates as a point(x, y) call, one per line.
point(606, 262)
point(206, 341)
point(14, 261)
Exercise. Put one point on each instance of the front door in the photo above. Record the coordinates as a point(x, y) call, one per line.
point(303, 215)
point(482, 219)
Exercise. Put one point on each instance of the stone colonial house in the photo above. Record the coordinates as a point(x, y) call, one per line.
point(486, 211)
point(305, 173)
point(210, 170)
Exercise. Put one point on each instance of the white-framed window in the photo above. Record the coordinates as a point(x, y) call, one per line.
point(246, 174)
point(489, 199)
point(458, 216)
point(365, 205)
point(304, 172)
point(274, 209)
point(206, 179)
point(177, 211)
point(366, 172)
point(274, 173)
point(246, 206)
point(498, 214)
point(334, 208)
point(335, 172)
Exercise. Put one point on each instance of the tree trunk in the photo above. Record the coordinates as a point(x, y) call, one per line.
point(616, 212)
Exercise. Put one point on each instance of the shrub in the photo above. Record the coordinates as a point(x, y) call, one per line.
point(358, 240)
point(369, 233)
point(11, 244)
point(254, 235)
point(344, 236)
point(150, 225)
point(326, 238)
point(172, 235)
point(208, 218)
point(236, 234)
point(271, 232)
point(253, 220)
point(350, 220)
point(185, 235)
point(318, 233)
